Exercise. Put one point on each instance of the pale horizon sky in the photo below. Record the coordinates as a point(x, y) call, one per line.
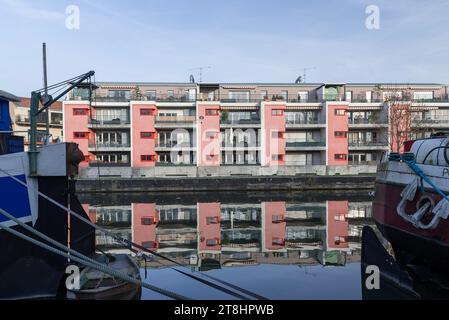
point(242, 41)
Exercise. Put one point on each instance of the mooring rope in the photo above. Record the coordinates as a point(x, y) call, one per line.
point(78, 257)
point(128, 243)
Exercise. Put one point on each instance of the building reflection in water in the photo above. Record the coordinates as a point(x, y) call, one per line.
point(211, 235)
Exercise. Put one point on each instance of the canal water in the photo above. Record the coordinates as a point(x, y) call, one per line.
point(278, 245)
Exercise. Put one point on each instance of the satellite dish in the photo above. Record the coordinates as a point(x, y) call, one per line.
point(192, 79)
point(298, 80)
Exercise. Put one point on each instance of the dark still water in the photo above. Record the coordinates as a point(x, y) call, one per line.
point(279, 246)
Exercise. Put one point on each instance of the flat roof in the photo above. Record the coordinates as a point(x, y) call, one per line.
point(8, 96)
point(270, 84)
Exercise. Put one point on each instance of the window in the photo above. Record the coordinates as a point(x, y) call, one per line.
point(170, 93)
point(276, 241)
point(112, 158)
point(277, 218)
point(239, 96)
point(348, 96)
point(340, 112)
point(277, 157)
point(80, 135)
point(340, 156)
point(146, 112)
point(211, 134)
point(341, 134)
point(120, 94)
point(79, 112)
point(151, 94)
point(147, 135)
point(148, 157)
point(277, 112)
point(284, 95)
point(339, 239)
point(340, 217)
point(303, 95)
point(212, 242)
point(211, 112)
point(149, 244)
point(56, 118)
point(147, 221)
point(212, 220)
point(423, 95)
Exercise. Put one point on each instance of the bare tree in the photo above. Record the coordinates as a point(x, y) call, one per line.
point(403, 121)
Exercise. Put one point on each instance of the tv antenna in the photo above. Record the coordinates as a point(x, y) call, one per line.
point(200, 69)
point(302, 79)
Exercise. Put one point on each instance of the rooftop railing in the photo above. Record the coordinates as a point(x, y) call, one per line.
point(173, 144)
point(96, 144)
point(240, 121)
point(367, 143)
point(366, 121)
point(227, 97)
point(175, 119)
point(98, 120)
point(26, 120)
point(302, 121)
point(172, 164)
point(297, 143)
point(440, 120)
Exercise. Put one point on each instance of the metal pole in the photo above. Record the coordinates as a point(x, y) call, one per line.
point(44, 56)
point(34, 108)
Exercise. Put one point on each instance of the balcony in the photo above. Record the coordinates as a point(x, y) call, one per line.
point(367, 122)
point(157, 98)
point(431, 122)
point(363, 99)
point(368, 145)
point(172, 164)
point(334, 97)
point(171, 98)
point(173, 145)
point(174, 121)
point(102, 146)
point(255, 122)
point(99, 163)
point(107, 122)
point(296, 122)
point(257, 98)
point(300, 144)
point(40, 122)
point(244, 146)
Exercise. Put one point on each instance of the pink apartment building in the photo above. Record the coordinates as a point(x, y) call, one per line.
point(266, 124)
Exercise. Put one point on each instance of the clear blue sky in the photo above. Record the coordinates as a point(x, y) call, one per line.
point(242, 40)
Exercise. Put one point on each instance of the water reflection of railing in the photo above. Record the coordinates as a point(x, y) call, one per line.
point(305, 233)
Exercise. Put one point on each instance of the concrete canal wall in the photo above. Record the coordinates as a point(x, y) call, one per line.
point(221, 171)
point(232, 178)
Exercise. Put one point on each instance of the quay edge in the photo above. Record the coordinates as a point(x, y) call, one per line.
point(260, 183)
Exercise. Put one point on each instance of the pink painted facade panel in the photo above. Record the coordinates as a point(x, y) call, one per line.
point(208, 130)
point(275, 225)
point(92, 214)
point(209, 230)
point(337, 146)
point(74, 123)
point(144, 223)
point(143, 149)
point(337, 224)
point(273, 131)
